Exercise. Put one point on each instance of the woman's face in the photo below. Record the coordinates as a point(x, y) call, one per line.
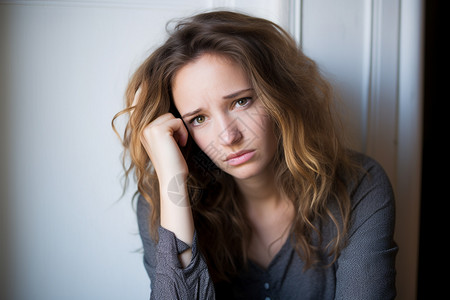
point(226, 120)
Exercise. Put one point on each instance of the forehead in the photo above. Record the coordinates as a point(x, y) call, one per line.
point(209, 77)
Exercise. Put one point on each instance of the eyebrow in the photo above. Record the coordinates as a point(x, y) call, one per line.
point(230, 96)
point(192, 113)
point(236, 94)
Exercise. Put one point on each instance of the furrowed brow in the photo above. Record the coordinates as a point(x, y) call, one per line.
point(191, 113)
point(230, 96)
point(237, 94)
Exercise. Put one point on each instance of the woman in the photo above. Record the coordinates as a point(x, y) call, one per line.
point(246, 190)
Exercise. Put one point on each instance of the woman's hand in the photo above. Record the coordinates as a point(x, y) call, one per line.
point(162, 139)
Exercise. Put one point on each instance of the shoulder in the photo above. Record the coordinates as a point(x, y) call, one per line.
point(366, 265)
point(371, 193)
point(369, 168)
point(370, 179)
point(142, 206)
point(143, 212)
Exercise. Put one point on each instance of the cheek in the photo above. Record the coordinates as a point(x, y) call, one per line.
point(199, 139)
point(206, 142)
point(262, 127)
point(267, 136)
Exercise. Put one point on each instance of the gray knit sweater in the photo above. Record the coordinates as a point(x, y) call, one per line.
point(364, 270)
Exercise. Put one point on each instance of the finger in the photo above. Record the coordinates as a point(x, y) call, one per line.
point(158, 126)
point(179, 131)
point(167, 123)
point(162, 119)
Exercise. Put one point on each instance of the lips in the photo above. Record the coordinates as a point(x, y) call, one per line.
point(239, 157)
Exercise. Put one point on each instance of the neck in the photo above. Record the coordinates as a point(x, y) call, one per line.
point(270, 215)
point(260, 193)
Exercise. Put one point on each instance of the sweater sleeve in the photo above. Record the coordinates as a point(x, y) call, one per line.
point(167, 277)
point(366, 267)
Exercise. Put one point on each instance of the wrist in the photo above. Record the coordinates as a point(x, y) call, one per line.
point(169, 178)
point(173, 189)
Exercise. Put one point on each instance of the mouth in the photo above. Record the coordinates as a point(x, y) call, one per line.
point(239, 157)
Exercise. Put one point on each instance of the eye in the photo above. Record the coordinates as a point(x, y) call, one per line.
point(242, 102)
point(198, 120)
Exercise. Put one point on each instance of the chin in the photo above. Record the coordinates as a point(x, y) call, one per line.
point(242, 172)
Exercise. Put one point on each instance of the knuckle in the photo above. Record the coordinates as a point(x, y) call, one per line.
point(147, 133)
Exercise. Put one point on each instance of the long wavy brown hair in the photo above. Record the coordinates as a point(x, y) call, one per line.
point(312, 166)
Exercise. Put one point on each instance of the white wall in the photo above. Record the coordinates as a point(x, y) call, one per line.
point(65, 64)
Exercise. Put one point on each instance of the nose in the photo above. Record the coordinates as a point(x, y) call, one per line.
point(230, 133)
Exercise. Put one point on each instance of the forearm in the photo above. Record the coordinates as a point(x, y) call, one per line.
point(176, 213)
